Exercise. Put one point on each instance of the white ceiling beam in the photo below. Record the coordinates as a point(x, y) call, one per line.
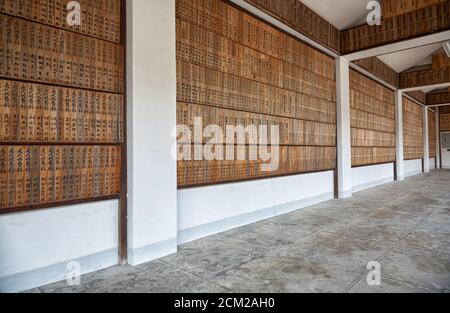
point(399, 46)
point(436, 86)
point(438, 105)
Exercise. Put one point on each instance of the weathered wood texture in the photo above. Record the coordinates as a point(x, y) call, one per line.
point(61, 103)
point(372, 121)
point(233, 69)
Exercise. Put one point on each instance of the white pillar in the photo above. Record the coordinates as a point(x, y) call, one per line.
point(438, 142)
point(426, 142)
point(151, 90)
point(344, 159)
point(400, 164)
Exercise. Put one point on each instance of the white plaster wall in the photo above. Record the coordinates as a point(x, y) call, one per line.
point(208, 210)
point(370, 176)
point(413, 167)
point(433, 163)
point(34, 244)
point(445, 153)
point(151, 81)
point(446, 158)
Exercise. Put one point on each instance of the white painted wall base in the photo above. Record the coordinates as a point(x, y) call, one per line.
point(152, 252)
point(58, 272)
point(35, 247)
point(371, 176)
point(446, 160)
point(413, 167)
point(205, 211)
point(433, 163)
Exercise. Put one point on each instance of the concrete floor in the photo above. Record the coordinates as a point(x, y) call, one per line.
point(325, 248)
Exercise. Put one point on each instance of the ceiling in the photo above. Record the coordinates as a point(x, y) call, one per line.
point(403, 60)
point(342, 14)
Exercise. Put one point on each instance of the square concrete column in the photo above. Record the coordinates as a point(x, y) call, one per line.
point(400, 163)
point(438, 142)
point(344, 152)
point(426, 142)
point(151, 96)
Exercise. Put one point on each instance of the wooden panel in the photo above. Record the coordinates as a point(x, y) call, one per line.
point(419, 96)
point(445, 122)
point(392, 8)
point(362, 156)
point(201, 85)
point(444, 109)
point(294, 132)
point(302, 19)
point(33, 113)
point(412, 130)
point(98, 18)
point(46, 54)
point(376, 67)
point(233, 69)
point(251, 64)
point(424, 77)
point(36, 175)
point(427, 20)
point(438, 98)
point(372, 112)
point(61, 104)
point(440, 60)
point(293, 160)
point(432, 133)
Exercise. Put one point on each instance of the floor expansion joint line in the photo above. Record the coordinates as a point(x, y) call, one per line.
point(379, 259)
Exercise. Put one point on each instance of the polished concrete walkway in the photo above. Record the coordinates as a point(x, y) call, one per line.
point(325, 248)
